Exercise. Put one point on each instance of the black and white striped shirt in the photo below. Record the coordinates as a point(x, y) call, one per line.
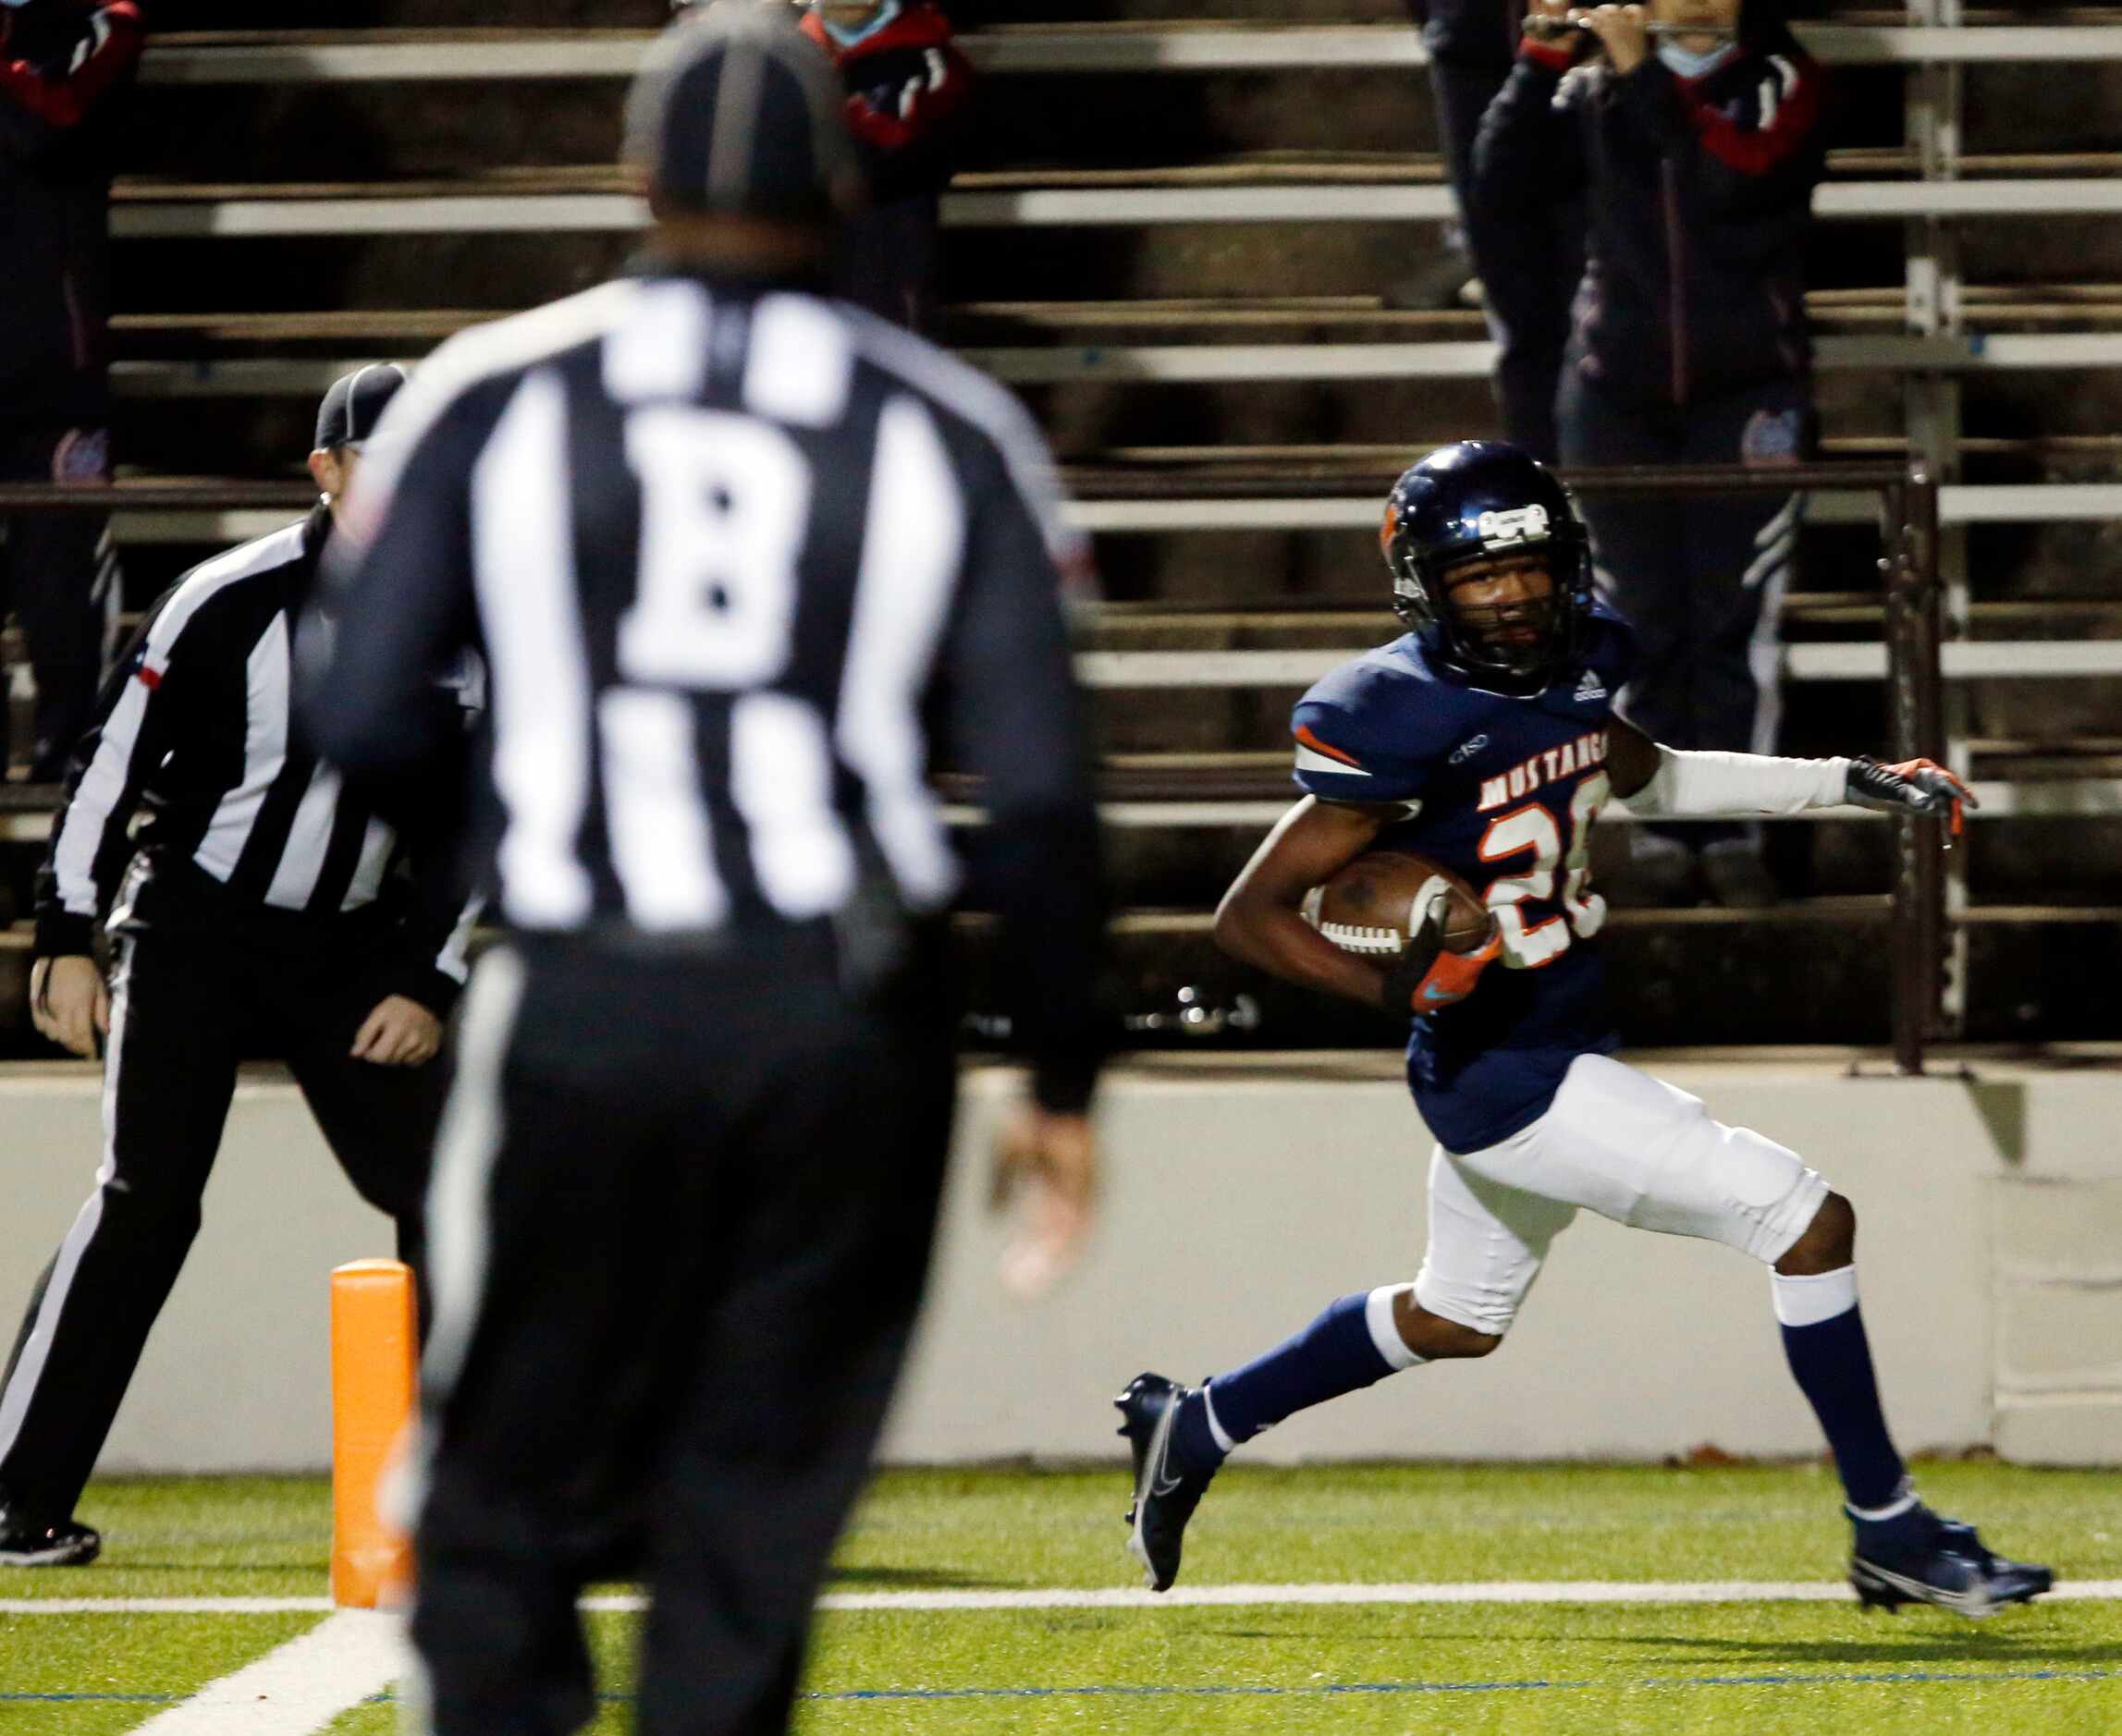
point(195, 730)
point(730, 553)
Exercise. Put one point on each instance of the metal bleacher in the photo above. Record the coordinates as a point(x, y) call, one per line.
point(1905, 350)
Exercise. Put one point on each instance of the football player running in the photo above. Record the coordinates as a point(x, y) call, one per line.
point(1485, 740)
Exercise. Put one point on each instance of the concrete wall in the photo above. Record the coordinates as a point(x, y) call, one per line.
point(1243, 1196)
point(236, 1375)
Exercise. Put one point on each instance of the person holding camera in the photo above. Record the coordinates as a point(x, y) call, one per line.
point(1694, 127)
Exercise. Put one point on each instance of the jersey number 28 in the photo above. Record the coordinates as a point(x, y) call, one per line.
point(1528, 943)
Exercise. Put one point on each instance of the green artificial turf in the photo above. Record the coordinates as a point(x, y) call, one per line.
point(1471, 1670)
point(87, 1675)
point(1392, 1522)
point(198, 1537)
point(1467, 1668)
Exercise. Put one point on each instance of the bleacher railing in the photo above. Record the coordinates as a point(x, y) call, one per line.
point(346, 56)
point(1915, 704)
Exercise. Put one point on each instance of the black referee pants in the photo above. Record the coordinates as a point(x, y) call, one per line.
point(187, 1005)
point(680, 1222)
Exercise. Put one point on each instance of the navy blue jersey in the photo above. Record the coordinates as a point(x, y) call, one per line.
point(1502, 792)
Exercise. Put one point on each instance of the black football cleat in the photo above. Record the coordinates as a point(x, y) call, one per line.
point(28, 1543)
point(1164, 1497)
point(1922, 1559)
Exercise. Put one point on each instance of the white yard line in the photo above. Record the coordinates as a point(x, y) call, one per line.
point(1475, 1591)
point(166, 1606)
point(1136, 1597)
point(295, 1688)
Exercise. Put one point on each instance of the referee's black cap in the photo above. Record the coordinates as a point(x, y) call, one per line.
point(737, 112)
point(354, 405)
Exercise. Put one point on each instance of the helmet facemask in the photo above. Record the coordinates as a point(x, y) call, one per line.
point(1518, 645)
point(1517, 638)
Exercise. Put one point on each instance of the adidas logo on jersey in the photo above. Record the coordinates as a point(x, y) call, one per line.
point(1589, 687)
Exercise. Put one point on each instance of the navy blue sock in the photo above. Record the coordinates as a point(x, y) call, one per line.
point(1334, 1355)
point(1831, 1358)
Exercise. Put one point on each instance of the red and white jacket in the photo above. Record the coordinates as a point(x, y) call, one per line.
point(1700, 193)
point(907, 86)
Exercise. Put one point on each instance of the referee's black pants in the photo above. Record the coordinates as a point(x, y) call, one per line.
point(187, 1005)
point(680, 1222)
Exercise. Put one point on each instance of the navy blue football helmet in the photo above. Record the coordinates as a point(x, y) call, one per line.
point(1481, 500)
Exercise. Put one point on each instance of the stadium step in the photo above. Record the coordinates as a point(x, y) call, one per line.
point(2027, 957)
point(1262, 169)
point(196, 336)
point(189, 176)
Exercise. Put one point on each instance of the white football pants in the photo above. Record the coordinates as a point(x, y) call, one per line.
point(1621, 1144)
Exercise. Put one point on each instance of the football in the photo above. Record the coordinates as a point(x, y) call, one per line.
point(1373, 904)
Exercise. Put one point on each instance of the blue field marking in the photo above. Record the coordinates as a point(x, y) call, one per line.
point(1853, 1678)
point(1888, 1675)
point(1209, 1691)
point(1325, 1689)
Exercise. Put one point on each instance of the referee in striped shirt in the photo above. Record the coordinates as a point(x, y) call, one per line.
point(257, 913)
point(732, 552)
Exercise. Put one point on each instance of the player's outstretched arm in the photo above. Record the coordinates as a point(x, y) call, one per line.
point(1653, 781)
point(1262, 917)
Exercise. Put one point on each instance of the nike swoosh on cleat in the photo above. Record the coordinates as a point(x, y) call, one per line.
point(1974, 1603)
point(1145, 1486)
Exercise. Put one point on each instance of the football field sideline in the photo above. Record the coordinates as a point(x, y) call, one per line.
point(1326, 1600)
point(354, 1657)
point(944, 1599)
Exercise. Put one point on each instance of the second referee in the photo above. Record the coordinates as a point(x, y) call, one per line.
point(258, 913)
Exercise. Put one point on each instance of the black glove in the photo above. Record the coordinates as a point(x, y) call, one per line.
point(1920, 787)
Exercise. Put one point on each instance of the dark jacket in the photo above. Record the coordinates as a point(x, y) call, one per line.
point(1469, 33)
point(61, 64)
point(1701, 195)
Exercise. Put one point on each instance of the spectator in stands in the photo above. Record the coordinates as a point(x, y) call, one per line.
point(907, 85)
point(65, 67)
point(1699, 149)
point(1526, 253)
